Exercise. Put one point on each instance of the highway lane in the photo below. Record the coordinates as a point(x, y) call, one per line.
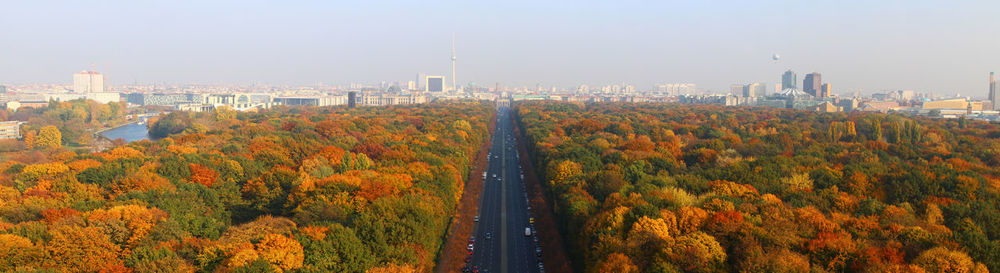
point(503, 210)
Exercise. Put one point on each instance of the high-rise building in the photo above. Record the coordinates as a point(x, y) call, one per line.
point(788, 80)
point(411, 85)
point(736, 89)
point(434, 84)
point(421, 77)
point(88, 82)
point(993, 93)
point(754, 89)
point(812, 83)
point(824, 91)
point(352, 99)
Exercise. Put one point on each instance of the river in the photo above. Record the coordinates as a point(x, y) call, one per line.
point(129, 133)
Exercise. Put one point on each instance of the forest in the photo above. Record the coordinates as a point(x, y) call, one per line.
point(292, 189)
point(700, 188)
point(70, 124)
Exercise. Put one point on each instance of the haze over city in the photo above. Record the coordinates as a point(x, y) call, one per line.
point(928, 46)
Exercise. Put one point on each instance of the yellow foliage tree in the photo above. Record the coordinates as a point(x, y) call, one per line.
point(30, 139)
point(82, 249)
point(17, 252)
point(943, 260)
point(565, 171)
point(647, 230)
point(696, 252)
point(282, 252)
point(48, 137)
point(618, 263)
point(393, 269)
point(127, 224)
point(689, 219)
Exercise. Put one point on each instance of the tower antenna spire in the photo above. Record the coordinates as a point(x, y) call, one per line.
point(453, 58)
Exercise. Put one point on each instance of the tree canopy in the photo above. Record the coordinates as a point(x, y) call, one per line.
point(698, 188)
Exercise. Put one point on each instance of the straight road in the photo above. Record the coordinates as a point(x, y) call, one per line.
point(504, 210)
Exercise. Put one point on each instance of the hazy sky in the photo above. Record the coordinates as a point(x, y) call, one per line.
point(941, 46)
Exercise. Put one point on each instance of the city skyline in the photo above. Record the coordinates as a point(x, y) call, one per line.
point(858, 45)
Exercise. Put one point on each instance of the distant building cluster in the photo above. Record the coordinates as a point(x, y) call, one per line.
point(810, 94)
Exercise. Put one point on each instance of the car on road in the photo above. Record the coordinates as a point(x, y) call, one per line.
point(476, 219)
point(489, 235)
point(538, 251)
point(531, 220)
point(527, 232)
point(468, 259)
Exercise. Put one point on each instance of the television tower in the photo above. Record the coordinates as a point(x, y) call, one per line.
point(453, 58)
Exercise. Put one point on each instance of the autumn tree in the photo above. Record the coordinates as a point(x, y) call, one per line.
point(48, 137)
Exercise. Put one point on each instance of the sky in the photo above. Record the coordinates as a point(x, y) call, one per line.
point(945, 47)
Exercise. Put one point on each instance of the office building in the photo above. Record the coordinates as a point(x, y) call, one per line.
point(812, 83)
point(352, 99)
point(754, 89)
point(992, 96)
point(10, 129)
point(674, 89)
point(824, 92)
point(434, 84)
point(736, 89)
point(88, 82)
point(788, 80)
point(953, 104)
point(144, 99)
point(313, 100)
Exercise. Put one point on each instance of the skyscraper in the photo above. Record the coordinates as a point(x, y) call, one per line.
point(825, 90)
point(993, 93)
point(434, 84)
point(788, 80)
point(88, 82)
point(812, 83)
